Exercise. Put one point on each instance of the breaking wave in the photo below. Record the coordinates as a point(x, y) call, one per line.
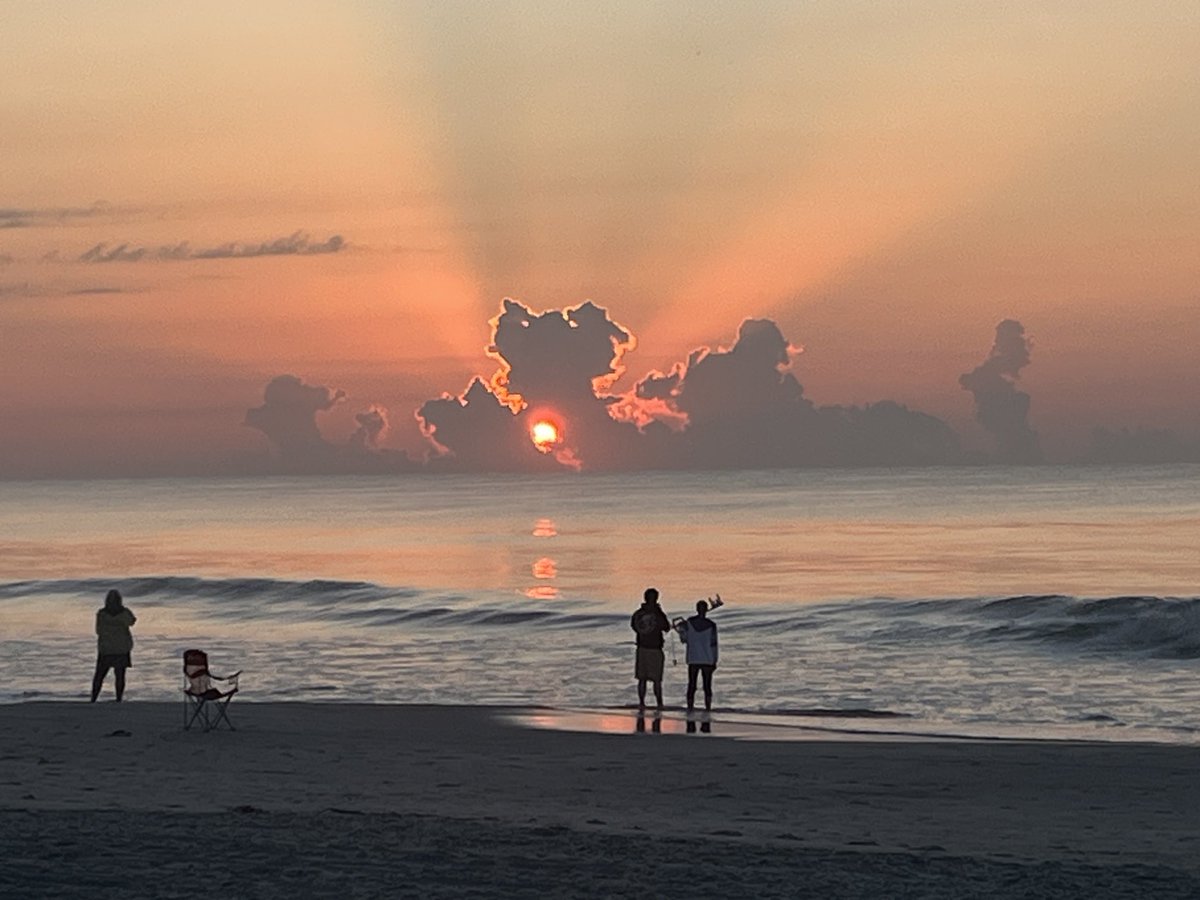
point(1160, 627)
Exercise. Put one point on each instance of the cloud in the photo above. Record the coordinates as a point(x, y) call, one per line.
point(1140, 445)
point(99, 289)
point(372, 428)
point(555, 366)
point(52, 290)
point(34, 217)
point(1000, 407)
point(296, 244)
point(288, 417)
point(101, 253)
point(17, 289)
point(743, 407)
point(722, 408)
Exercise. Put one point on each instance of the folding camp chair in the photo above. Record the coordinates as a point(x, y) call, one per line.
point(202, 702)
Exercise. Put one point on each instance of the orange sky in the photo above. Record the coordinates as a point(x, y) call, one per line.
point(886, 184)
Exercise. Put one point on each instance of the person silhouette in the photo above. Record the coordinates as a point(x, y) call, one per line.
point(700, 634)
point(114, 643)
point(649, 624)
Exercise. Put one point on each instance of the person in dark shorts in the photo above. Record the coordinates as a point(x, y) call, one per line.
point(649, 624)
point(114, 643)
point(700, 634)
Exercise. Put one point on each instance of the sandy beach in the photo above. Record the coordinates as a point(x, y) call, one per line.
point(355, 800)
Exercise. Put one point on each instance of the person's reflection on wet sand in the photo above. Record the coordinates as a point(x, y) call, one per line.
point(705, 726)
point(655, 724)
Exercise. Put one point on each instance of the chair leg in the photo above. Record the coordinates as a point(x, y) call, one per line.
point(222, 710)
point(209, 713)
point(198, 712)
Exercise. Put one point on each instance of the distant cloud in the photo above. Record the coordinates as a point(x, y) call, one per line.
point(101, 253)
point(17, 289)
point(296, 244)
point(288, 417)
point(49, 291)
point(372, 428)
point(1141, 445)
point(103, 289)
point(35, 217)
point(1000, 407)
point(743, 408)
point(740, 407)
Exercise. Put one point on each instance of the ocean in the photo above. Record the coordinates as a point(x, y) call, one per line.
point(1036, 602)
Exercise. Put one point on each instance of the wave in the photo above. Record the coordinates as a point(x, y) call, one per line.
point(177, 586)
point(1157, 627)
point(1163, 627)
point(319, 600)
point(1167, 627)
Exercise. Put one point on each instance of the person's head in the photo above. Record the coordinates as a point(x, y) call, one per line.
point(701, 608)
point(650, 595)
point(112, 600)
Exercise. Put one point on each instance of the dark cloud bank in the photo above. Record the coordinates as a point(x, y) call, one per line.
point(735, 407)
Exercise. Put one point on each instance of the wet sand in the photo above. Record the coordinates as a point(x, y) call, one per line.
point(355, 800)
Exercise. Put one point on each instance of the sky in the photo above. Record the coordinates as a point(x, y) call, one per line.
point(268, 236)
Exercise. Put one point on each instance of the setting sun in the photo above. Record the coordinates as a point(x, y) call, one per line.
point(545, 435)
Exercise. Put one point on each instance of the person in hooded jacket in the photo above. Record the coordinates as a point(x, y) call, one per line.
point(114, 642)
point(700, 634)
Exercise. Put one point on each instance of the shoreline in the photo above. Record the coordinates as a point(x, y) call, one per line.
point(743, 725)
point(1086, 810)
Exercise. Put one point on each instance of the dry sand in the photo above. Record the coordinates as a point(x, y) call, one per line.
point(381, 801)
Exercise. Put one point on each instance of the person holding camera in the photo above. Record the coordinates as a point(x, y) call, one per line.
point(700, 634)
point(113, 642)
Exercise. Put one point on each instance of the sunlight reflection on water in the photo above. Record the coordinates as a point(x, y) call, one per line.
point(757, 536)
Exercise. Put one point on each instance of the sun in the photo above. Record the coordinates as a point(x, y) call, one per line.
point(544, 434)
